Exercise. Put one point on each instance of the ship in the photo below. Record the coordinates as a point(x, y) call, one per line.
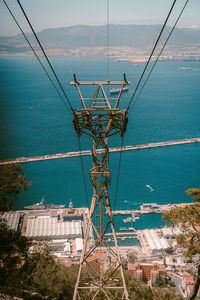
point(123, 228)
point(185, 68)
point(117, 91)
point(42, 205)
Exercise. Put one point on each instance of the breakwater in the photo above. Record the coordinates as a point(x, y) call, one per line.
point(89, 152)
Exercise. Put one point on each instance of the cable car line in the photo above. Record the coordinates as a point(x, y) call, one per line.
point(64, 102)
point(82, 165)
point(83, 172)
point(43, 67)
point(45, 55)
point(108, 42)
point(150, 56)
point(155, 62)
point(118, 173)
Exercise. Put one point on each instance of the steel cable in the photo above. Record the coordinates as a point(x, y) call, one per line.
point(159, 54)
point(36, 54)
point(155, 45)
point(118, 173)
point(45, 54)
point(83, 172)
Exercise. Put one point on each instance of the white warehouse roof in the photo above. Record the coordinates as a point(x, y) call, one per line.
point(11, 219)
point(79, 244)
point(155, 243)
point(51, 228)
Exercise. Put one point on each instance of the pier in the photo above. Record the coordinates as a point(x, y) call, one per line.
point(134, 234)
point(88, 152)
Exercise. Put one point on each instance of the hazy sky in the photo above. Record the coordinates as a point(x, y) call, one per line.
point(57, 13)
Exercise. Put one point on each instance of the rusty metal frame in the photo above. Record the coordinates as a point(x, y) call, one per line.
point(100, 118)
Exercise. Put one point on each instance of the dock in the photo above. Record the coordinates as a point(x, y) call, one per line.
point(89, 152)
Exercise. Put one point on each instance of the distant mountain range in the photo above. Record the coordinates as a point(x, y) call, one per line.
point(74, 37)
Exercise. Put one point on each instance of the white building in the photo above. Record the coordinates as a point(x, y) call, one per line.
point(79, 245)
point(11, 219)
point(48, 228)
point(156, 243)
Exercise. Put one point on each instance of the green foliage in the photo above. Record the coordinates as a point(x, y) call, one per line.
point(195, 194)
point(140, 291)
point(13, 254)
point(132, 257)
point(31, 272)
point(188, 218)
point(159, 283)
point(169, 250)
point(53, 279)
point(12, 182)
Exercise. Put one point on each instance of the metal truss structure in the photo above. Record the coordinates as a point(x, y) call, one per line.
point(100, 273)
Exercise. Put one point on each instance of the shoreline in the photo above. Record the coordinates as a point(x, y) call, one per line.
point(117, 58)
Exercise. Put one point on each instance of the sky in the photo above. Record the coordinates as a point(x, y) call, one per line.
point(59, 13)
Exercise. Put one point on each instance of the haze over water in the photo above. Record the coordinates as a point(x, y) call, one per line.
point(35, 122)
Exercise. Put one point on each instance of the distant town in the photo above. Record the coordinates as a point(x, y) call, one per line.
point(121, 53)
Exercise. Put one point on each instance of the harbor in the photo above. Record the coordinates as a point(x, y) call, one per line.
point(145, 208)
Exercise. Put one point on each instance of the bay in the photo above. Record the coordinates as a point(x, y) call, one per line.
point(35, 122)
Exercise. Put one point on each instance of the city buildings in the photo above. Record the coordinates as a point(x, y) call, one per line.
point(148, 272)
point(187, 284)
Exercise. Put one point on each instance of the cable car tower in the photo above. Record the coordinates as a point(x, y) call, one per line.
point(100, 273)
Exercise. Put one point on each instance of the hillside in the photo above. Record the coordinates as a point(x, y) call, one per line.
point(76, 37)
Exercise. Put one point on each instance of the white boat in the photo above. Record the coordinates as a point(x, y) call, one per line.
point(149, 187)
point(185, 68)
point(117, 91)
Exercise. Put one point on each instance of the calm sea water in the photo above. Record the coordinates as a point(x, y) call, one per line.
point(34, 122)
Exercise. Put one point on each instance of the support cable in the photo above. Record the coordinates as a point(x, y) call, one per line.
point(155, 45)
point(64, 102)
point(159, 55)
point(43, 67)
point(45, 55)
point(108, 39)
point(83, 172)
point(118, 173)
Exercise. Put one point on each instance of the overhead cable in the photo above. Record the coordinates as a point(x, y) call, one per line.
point(36, 54)
point(45, 55)
point(118, 173)
point(108, 39)
point(159, 36)
point(83, 172)
point(160, 53)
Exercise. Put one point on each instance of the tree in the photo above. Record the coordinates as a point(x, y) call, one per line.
point(13, 254)
point(132, 257)
point(188, 219)
point(169, 250)
point(12, 182)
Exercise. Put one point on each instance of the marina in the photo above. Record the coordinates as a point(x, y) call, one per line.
point(145, 208)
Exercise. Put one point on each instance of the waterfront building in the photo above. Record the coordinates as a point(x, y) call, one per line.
point(156, 243)
point(79, 245)
point(48, 228)
point(171, 233)
point(12, 219)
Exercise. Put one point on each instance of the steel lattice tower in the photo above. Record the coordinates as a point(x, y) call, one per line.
point(100, 273)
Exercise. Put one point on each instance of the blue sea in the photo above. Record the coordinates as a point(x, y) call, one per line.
point(35, 122)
